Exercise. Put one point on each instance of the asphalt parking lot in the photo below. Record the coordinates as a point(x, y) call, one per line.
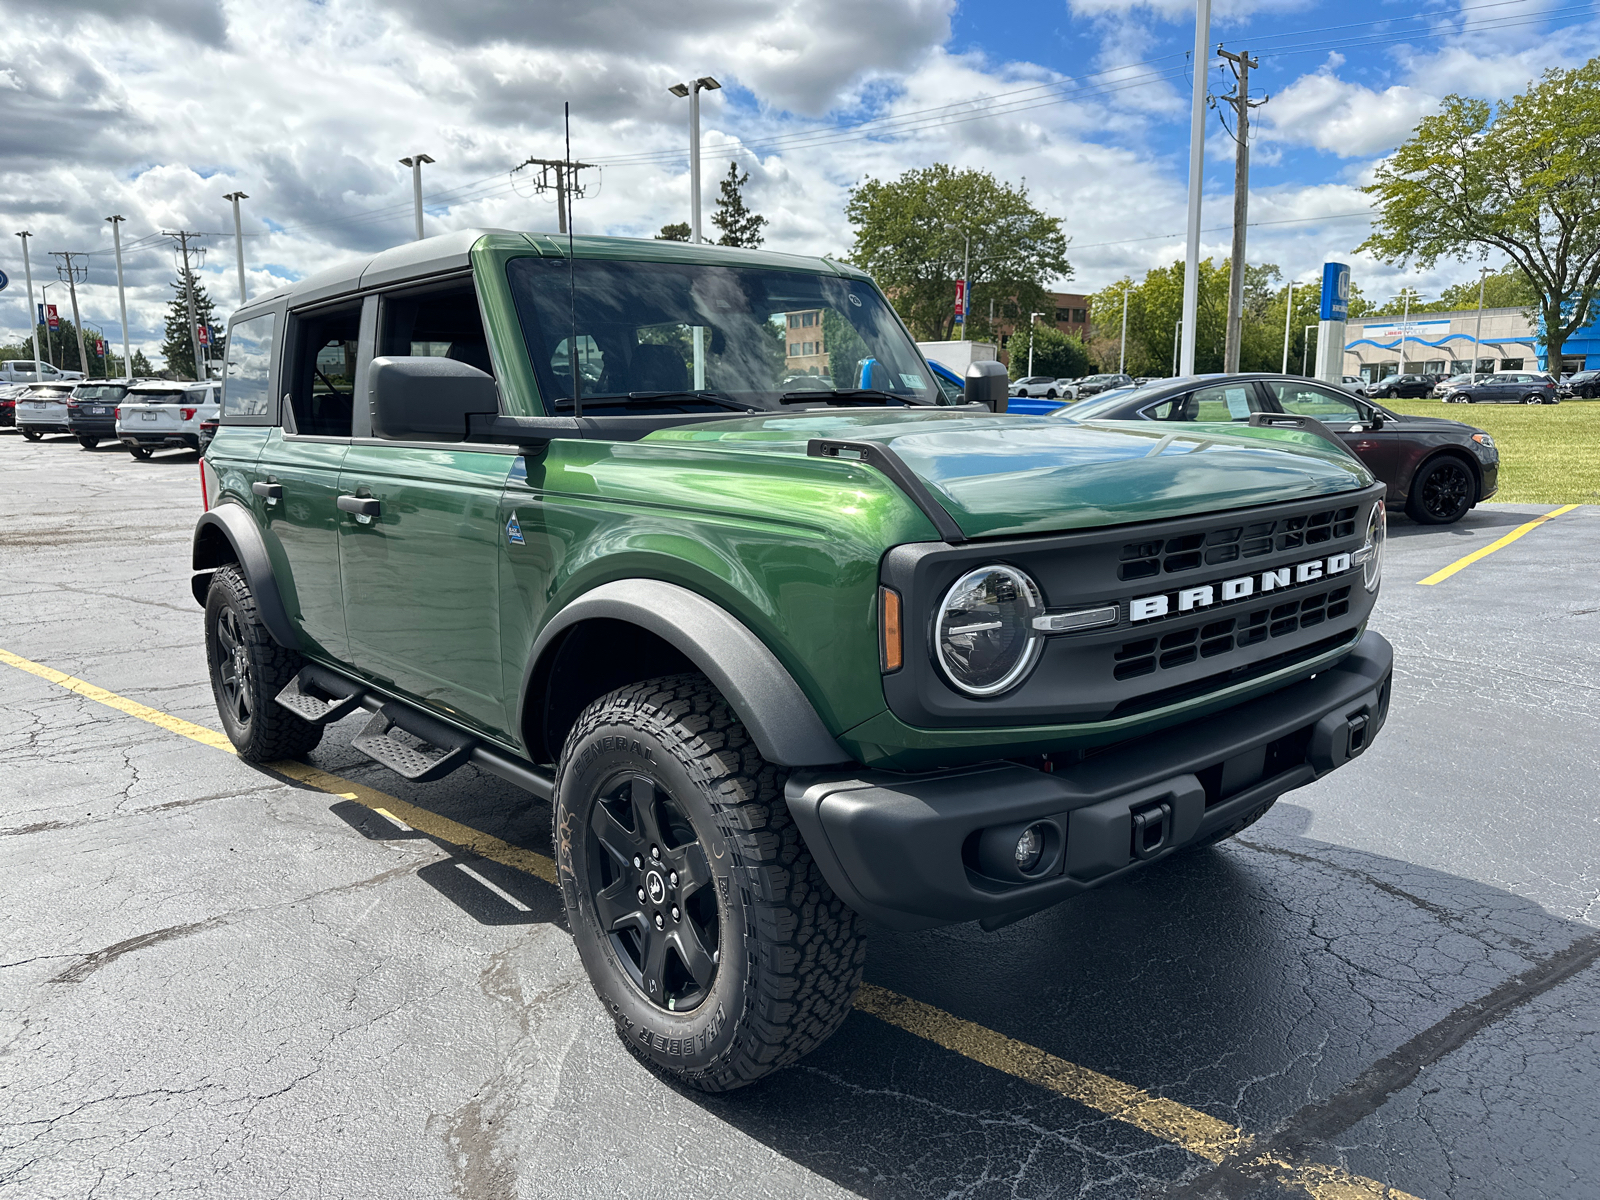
point(218, 980)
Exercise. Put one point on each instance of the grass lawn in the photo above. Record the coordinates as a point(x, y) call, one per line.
point(1549, 454)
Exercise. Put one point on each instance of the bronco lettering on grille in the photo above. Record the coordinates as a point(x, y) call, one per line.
point(1189, 599)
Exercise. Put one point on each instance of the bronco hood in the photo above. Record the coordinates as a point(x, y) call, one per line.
point(1001, 475)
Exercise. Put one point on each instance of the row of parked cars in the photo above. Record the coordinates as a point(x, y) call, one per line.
point(1500, 387)
point(145, 415)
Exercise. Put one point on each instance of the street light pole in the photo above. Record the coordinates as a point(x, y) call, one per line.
point(1477, 338)
point(415, 162)
point(692, 90)
point(1176, 326)
point(122, 296)
point(1122, 353)
point(238, 236)
point(27, 271)
point(1288, 315)
point(1197, 170)
point(1305, 349)
point(1032, 317)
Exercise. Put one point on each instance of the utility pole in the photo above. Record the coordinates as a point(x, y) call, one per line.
point(1477, 338)
point(70, 274)
point(966, 286)
point(1305, 349)
point(122, 296)
point(560, 176)
point(182, 237)
point(1122, 354)
point(1288, 315)
point(27, 271)
point(238, 240)
point(1239, 98)
point(415, 163)
point(1200, 66)
point(1176, 326)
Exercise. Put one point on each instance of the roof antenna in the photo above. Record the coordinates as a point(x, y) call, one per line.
point(572, 282)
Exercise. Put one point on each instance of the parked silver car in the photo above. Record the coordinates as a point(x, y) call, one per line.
point(42, 409)
point(27, 370)
point(165, 416)
point(1037, 386)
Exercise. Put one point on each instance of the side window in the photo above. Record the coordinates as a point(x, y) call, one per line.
point(1223, 402)
point(246, 377)
point(322, 385)
point(1304, 400)
point(443, 323)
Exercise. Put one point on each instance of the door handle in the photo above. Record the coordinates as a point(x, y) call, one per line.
point(270, 492)
point(365, 508)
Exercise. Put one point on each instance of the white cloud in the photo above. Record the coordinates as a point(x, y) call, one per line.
point(1326, 112)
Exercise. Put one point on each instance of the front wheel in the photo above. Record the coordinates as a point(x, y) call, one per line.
point(1533, 398)
point(248, 670)
point(705, 926)
point(1441, 493)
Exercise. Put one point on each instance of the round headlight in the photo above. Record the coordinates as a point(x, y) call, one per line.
point(1377, 531)
point(984, 637)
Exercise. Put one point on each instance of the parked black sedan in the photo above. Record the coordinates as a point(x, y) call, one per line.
point(1506, 387)
point(1407, 387)
point(1584, 385)
point(1437, 469)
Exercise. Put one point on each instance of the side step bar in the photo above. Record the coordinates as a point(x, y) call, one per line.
point(321, 696)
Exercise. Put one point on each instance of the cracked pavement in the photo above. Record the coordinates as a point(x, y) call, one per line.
point(215, 981)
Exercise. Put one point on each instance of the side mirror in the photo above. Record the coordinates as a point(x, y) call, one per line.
point(427, 399)
point(986, 384)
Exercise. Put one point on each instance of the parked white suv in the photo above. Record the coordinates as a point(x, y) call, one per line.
point(42, 409)
point(163, 416)
point(1036, 385)
point(27, 370)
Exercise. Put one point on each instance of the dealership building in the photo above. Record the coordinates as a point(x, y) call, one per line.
point(1443, 343)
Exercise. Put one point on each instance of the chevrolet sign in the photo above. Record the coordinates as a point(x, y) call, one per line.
point(1146, 608)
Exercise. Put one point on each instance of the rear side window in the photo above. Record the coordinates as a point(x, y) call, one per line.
point(437, 324)
point(322, 385)
point(246, 385)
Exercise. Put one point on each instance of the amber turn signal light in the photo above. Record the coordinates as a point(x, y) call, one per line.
point(889, 627)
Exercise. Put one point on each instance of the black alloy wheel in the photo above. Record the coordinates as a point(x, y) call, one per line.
point(705, 926)
point(650, 883)
point(1441, 492)
point(248, 670)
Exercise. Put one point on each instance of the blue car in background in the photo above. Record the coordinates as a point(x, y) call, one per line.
point(954, 389)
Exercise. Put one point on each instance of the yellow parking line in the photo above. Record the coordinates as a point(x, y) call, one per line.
point(1461, 564)
point(1199, 1133)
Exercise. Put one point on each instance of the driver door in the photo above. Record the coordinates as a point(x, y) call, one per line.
point(1346, 416)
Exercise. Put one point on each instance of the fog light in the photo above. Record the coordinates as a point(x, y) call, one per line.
point(1030, 849)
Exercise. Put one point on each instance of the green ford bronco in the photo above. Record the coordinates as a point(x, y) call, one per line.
point(687, 542)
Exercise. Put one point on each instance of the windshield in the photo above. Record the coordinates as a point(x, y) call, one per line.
point(646, 333)
point(99, 391)
point(1087, 410)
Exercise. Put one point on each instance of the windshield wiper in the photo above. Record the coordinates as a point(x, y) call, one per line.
point(715, 398)
point(847, 396)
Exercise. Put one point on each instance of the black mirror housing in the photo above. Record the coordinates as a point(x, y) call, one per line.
point(427, 399)
point(987, 383)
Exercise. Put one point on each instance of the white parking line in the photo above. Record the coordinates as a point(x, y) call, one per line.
point(495, 888)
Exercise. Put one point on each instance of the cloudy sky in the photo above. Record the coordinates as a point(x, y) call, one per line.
point(155, 108)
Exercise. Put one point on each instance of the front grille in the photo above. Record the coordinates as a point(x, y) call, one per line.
point(1158, 556)
point(1148, 655)
point(1210, 683)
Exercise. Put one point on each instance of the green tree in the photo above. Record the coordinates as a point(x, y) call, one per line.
point(1523, 179)
point(911, 235)
point(1506, 288)
point(674, 233)
point(740, 226)
point(1062, 355)
point(177, 347)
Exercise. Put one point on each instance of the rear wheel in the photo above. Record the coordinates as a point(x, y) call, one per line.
point(140, 452)
point(33, 435)
point(705, 926)
point(248, 670)
point(1533, 398)
point(88, 443)
point(1441, 492)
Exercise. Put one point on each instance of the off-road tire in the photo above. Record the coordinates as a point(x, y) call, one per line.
point(269, 732)
point(789, 954)
point(1237, 827)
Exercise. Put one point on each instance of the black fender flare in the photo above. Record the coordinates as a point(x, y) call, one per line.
point(235, 526)
point(781, 720)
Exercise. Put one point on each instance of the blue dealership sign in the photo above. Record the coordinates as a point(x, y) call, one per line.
point(1335, 291)
point(3, 281)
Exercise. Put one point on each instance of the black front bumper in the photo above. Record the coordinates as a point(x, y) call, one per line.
point(916, 850)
